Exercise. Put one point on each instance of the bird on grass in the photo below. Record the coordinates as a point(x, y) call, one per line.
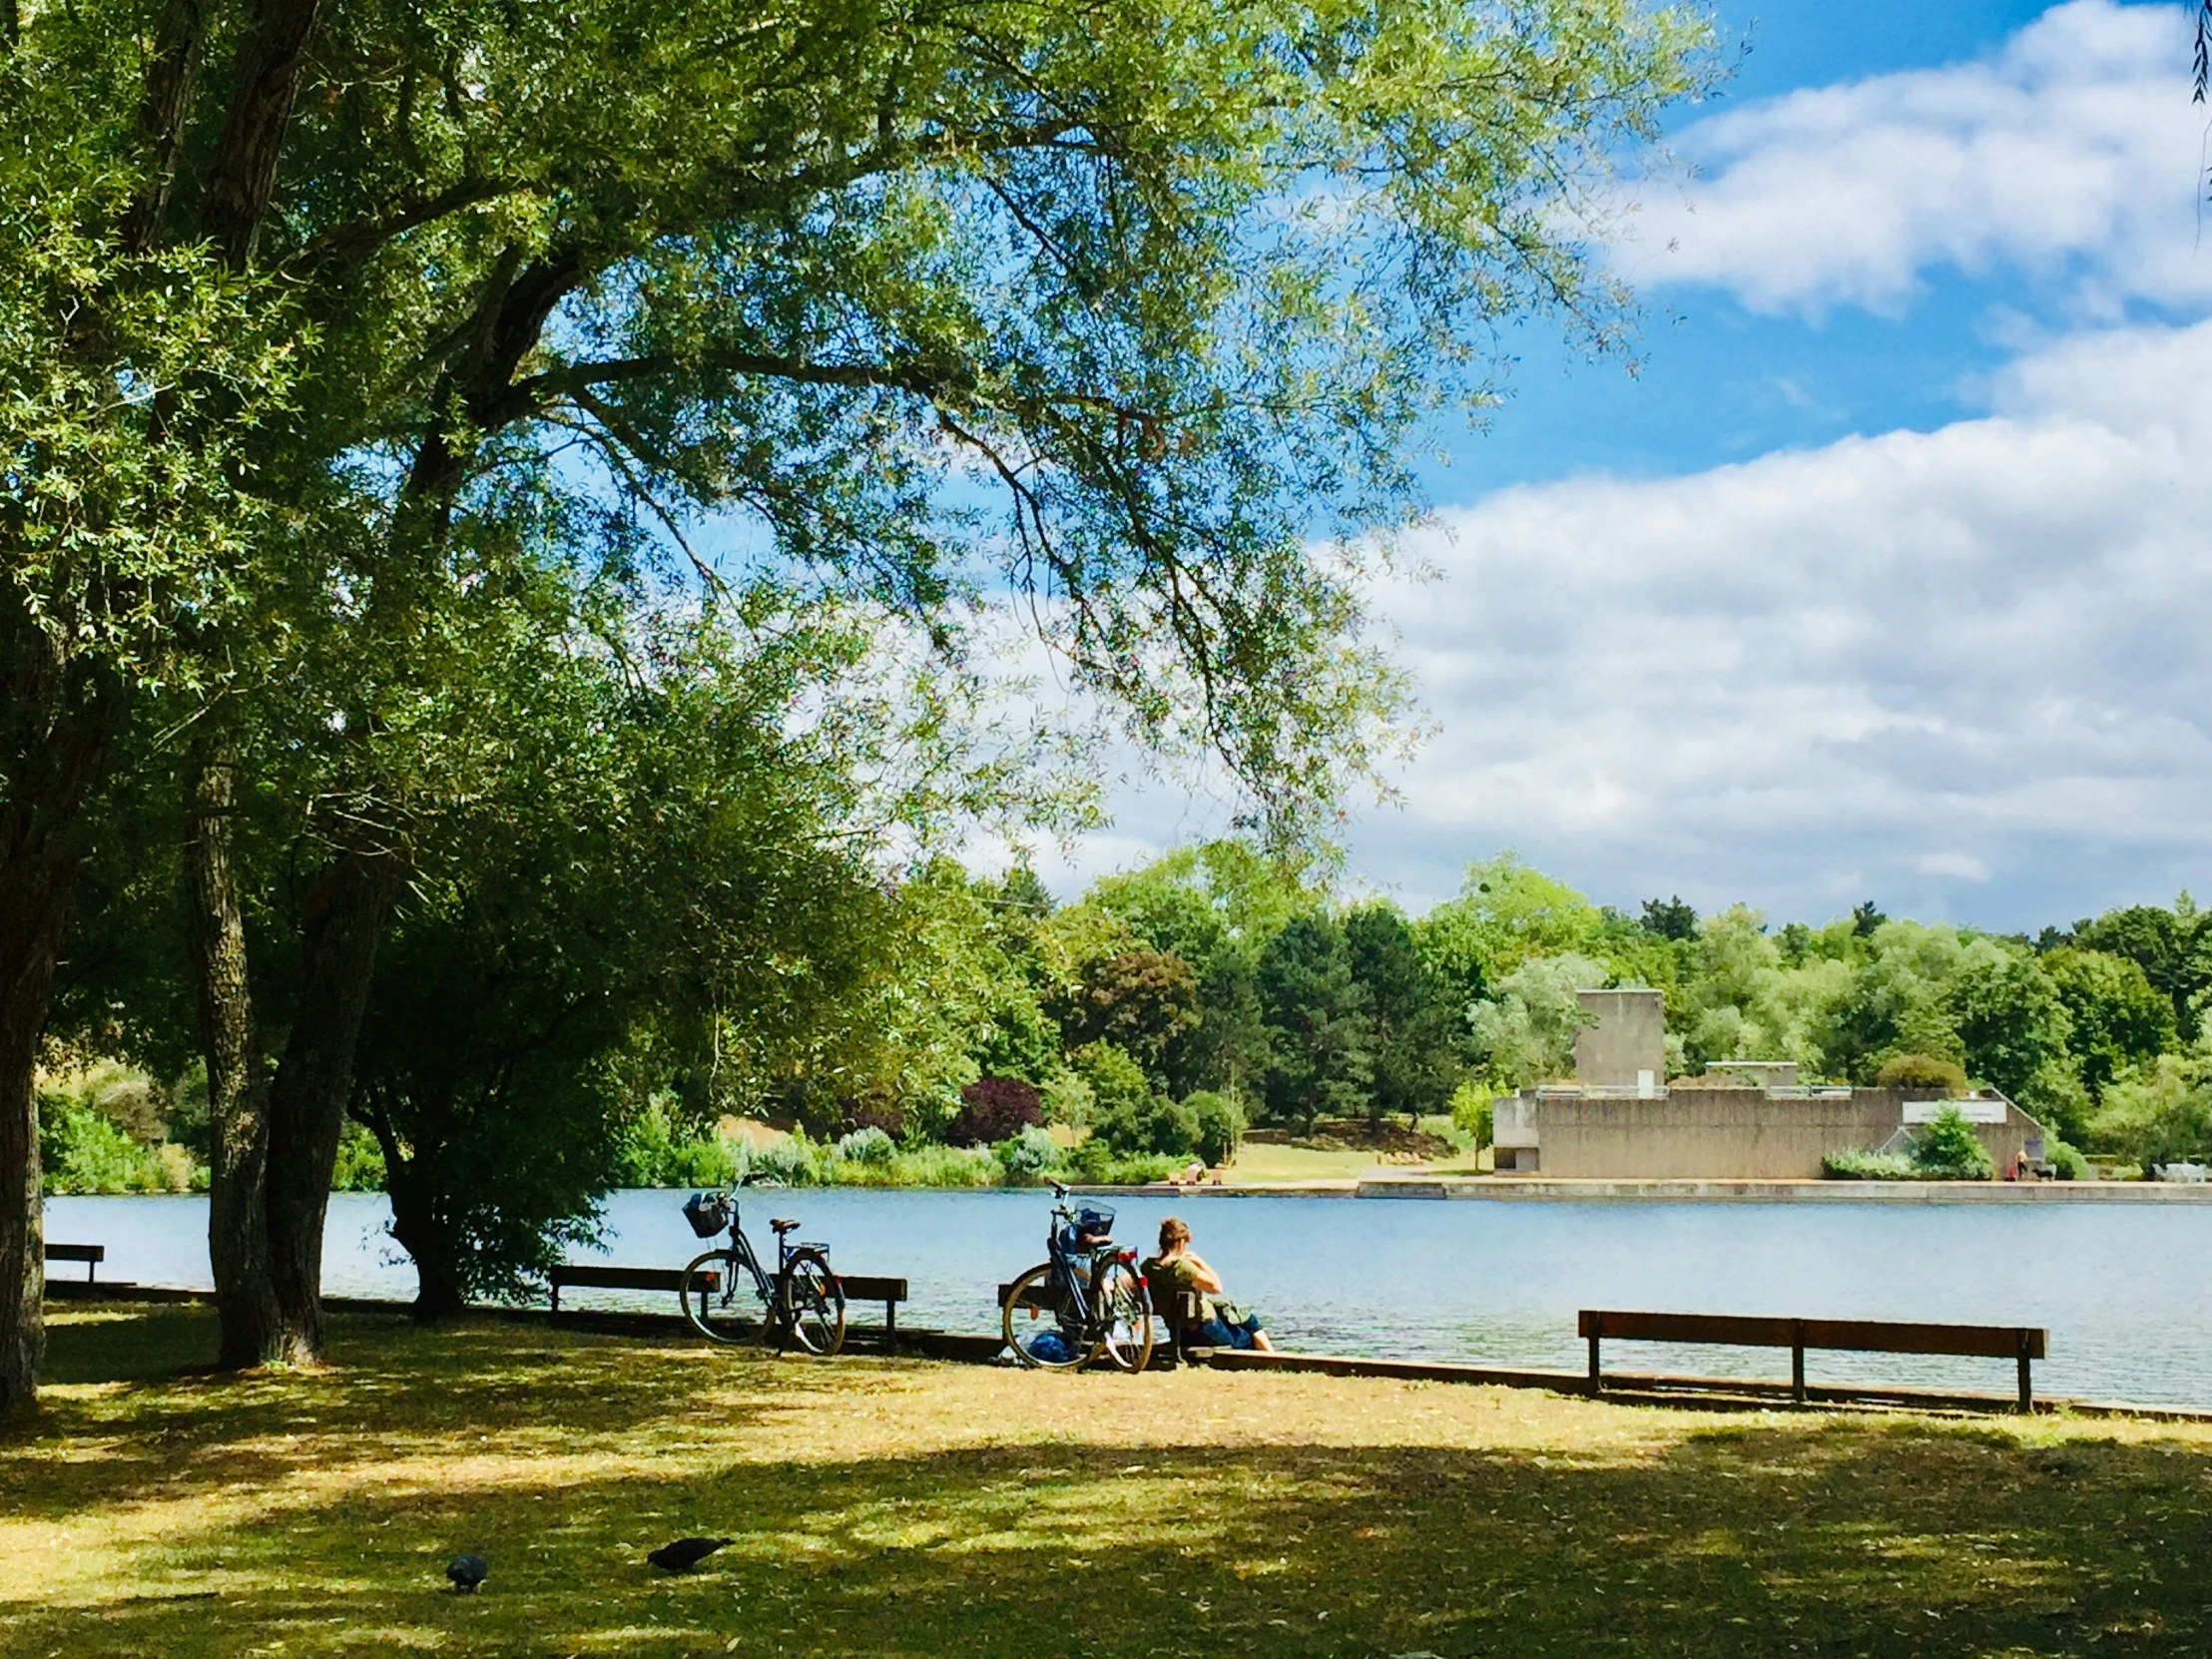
point(685, 1553)
point(467, 1571)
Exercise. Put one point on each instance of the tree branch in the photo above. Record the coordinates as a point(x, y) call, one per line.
point(345, 242)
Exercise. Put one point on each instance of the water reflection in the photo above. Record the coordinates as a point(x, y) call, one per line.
point(2123, 1288)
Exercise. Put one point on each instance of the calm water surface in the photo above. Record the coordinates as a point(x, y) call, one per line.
point(2127, 1290)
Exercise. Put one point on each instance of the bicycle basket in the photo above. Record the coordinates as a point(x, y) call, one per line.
point(1090, 1225)
point(708, 1213)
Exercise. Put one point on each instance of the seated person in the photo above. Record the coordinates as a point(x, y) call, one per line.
point(1177, 1269)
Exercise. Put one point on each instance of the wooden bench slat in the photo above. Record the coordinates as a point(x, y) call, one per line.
point(588, 1275)
point(91, 1255)
point(1994, 1342)
point(860, 1286)
point(619, 1279)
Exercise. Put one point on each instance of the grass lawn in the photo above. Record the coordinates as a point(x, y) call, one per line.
point(908, 1508)
point(1337, 1150)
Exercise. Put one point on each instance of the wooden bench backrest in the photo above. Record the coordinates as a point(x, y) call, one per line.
point(76, 1253)
point(1995, 1341)
point(619, 1279)
point(860, 1286)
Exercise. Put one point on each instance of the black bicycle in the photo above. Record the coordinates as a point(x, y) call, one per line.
point(729, 1298)
point(1085, 1300)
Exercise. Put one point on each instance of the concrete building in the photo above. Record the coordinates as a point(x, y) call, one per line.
point(1744, 1120)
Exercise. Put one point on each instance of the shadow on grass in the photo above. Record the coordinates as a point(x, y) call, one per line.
point(155, 1410)
point(1754, 1537)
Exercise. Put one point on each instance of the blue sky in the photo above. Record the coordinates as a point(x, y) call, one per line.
point(1719, 381)
point(1890, 575)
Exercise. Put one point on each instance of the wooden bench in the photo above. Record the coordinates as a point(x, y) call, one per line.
point(862, 1287)
point(583, 1277)
point(91, 1255)
point(857, 1287)
point(2020, 1343)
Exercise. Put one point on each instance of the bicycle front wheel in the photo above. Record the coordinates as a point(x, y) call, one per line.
point(813, 1314)
point(719, 1305)
point(1044, 1326)
point(1124, 1313)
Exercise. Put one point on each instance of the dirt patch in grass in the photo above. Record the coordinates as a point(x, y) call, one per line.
point(908, 1508)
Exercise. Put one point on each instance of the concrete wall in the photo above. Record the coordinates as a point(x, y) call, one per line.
point(1630, 1036)
point(1720, 1134)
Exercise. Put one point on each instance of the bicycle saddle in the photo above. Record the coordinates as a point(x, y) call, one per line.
point(783, 1225)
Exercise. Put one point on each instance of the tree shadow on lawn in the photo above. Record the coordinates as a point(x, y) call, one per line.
point(133, 1411)
point(1766, 1536)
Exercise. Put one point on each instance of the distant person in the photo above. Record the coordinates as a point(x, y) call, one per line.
point(1193, 1173)
point(1177, 1268)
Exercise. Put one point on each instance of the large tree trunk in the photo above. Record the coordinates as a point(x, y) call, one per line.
point(237, 1099)
point(422, 1232)
point(30, 940)
point(57, 720)
point(345, 914)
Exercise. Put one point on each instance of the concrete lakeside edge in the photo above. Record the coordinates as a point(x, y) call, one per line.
point(1721, 1394)
point(1539, 1188)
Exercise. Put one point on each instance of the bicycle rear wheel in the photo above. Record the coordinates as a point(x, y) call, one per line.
point(813, 1315)
point(719, 1298)
point(1124, 1313)
point(1044, 1324)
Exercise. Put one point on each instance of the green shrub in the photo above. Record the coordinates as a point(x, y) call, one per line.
point(1471, 1112)
point(1095, 1163)
point(1853, 1163)
point(1066, 1098)
point(2160, 1113)
point(2066, 1162)
point(1921, 1071)
point(103, 1129)
point(866, 1146)
point(1220, 1122)
point(360, 1164)
point(1947, 1149)
point(946, 1166)
point(1091, 1162)
point(654, 1149)
point(1116, 1081)
point(792, 1158)
point(1152, 1124)
point(1027, 1156)
point(1142, 1169)
point(82, 1152)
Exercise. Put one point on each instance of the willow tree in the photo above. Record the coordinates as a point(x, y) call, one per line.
point(1122, 312)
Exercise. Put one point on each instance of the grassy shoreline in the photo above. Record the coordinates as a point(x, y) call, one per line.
point(907, 1507)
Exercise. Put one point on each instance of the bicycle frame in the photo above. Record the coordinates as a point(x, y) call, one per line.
point(1064, 1260)
point(763, 1281)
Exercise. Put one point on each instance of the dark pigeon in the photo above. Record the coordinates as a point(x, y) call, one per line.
point(685, 1553)
point(467, 1571)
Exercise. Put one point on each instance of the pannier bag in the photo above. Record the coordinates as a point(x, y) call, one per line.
point(708, 1213)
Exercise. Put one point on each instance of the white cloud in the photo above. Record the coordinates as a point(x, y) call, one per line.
point(2071, 155)
point(1965, 671)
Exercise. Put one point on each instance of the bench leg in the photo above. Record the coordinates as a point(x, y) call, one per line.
point(1596, 1383)
point(2027, 1392)
point(890, 1322)
point(1797, 1360)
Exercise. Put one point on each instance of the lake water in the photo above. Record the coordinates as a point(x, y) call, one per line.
point(2127, 1290)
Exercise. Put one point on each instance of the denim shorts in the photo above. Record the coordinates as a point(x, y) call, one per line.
point(1216, 1332)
